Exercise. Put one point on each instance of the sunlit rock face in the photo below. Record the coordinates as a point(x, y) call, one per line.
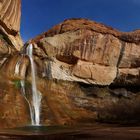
point(14, 109)
point(85, 51)
point(10, 41)
point(5, 49)
point(10, 14)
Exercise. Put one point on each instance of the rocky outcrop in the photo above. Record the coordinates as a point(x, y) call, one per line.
point(14, 109)
point(78, 24)
point(10, 13)
point(85, 51)
point(10, 40)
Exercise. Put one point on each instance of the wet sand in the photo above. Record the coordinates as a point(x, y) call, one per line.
point(76, 133)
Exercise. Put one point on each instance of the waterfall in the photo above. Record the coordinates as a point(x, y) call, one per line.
point(22, 82)
point(17, 67)
point(36, 96)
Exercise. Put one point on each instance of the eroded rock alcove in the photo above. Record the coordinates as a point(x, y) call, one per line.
point(83, 69)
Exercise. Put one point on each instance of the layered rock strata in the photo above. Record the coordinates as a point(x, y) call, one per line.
point(10, 40)
point(85, 51)
point(10, 14)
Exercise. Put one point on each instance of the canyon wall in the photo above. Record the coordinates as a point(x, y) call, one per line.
point(85, 71)
point(85, 51)
point(12, 103)
point(10, 14)
point(10, 40)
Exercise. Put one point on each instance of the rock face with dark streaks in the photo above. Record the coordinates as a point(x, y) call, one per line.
point(10, 40)
point(85, 51)
point(10, 14)
point(14, 109)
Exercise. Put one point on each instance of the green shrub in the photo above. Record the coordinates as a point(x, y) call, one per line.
point(17, 84)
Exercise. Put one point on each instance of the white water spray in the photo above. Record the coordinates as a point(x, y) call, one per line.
point(22, 82)
point(36, 96)
point(17, 67)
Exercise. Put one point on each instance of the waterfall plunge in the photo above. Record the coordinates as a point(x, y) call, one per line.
point(36, 96)
point(22, 82)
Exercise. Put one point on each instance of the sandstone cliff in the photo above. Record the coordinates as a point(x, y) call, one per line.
point(85, 51)
point(10, 40)
point(83, 69)
point(10, 14)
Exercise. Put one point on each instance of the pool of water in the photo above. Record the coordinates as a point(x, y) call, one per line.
point(38, 133)
point(43, 129)
point(95, 132)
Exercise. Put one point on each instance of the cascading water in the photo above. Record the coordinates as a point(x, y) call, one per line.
point(22, 82)
point(17, 67)
point(36, 96)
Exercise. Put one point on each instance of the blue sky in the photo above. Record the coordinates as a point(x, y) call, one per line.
point(40, 15)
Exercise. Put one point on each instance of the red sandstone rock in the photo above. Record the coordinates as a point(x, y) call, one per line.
point(90, 52)
point(10, 14)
